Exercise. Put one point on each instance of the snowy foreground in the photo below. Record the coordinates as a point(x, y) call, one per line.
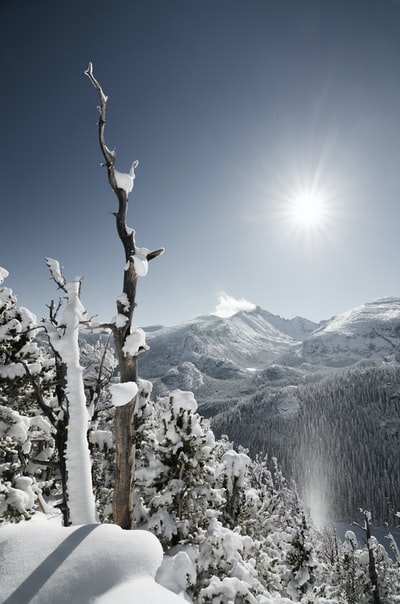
point(44, 563)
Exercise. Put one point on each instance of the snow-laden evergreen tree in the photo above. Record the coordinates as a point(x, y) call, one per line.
point(364, 572)
point(232, 529)
point(26, 441)
point(175, 476)
point(99, 362)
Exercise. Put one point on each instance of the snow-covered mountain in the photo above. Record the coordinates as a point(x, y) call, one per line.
point(223, 358)
point(323, 398)
point(370, 331)
point(222, 347)
point(217, 358)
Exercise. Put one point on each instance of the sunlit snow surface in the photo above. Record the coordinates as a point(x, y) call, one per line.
point(43, 563)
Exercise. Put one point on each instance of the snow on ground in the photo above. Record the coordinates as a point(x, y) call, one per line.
point(42, 563)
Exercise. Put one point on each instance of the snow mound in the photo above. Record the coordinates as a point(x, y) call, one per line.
point(94, 563)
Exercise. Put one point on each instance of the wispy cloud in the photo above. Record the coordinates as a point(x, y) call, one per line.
point(228, 306)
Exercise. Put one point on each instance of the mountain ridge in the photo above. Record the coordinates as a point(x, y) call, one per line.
point(256, 338)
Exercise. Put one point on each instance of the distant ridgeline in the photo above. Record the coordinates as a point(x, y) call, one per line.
point(323, 399)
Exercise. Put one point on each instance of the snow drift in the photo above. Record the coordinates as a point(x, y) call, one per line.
point(95, 563)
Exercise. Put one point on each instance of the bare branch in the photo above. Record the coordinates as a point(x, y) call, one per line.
point(39, 396)
point(155, 254)
point(109, 156)
point(89, 73)
point(53, 310)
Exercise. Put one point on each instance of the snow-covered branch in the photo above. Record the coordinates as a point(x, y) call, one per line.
point(56, 272)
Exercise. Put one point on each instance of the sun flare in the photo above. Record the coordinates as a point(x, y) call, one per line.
point(307, 209)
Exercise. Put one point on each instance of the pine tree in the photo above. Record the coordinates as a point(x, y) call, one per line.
point(26, 440)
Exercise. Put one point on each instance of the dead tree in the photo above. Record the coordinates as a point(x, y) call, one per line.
point(124, 428)
point(373, 575)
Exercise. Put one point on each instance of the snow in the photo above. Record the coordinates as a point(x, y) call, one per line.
point(27, 318)
point(21, 496)
point(135, 342)
point(175, 571)
point(125, 181)
point(55, 270)
point(236, 467)
point(41, 562)
point(81, 502)
point(183, 400)
point(246, 339)
point(140, 261)
point(229, 588)
point(123, 393)
point(3, 274)
point(19, 427)
point(102, 438)
point(368, 331)
point(11, 371)
point(124, 301)
point(120, 320)
point(227, 306)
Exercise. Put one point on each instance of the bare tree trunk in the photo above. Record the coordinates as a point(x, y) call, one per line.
point(373, 575)
point(124, 428)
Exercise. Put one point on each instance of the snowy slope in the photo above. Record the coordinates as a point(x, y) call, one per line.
point(222, 347)
point(297, 328)
point(370, 331)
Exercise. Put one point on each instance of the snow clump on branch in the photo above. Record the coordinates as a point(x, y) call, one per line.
point(3, 274)
point(135, 342)
point(140, 261)
point(123, 393)
point(125, 181)
point(183, 400)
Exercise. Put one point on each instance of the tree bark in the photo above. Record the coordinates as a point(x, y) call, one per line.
point(373, 575)
point(124, 428)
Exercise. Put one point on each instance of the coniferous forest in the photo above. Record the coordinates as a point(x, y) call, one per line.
point(342, 446)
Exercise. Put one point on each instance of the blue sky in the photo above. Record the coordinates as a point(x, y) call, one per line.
point(230, 107)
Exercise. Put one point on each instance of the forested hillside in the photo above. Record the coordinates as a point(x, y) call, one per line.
point(338, 437)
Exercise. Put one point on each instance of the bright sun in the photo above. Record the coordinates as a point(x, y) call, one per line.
point(307, 209)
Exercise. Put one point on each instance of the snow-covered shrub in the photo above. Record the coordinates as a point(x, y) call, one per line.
point(26, 440)
point(352, 574)
point(175, 477)
point(225, 565)
point(26, 450)
point(102, 448)
point(33, 392)
point(21, 359)
point(98, 361)
point(231, 527)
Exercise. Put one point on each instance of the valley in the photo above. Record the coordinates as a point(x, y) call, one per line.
point(323, 399)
